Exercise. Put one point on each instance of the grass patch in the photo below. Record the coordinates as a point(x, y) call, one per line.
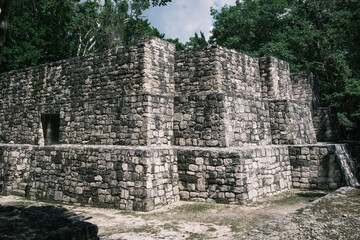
point(354, 194)
point(171, 227)
point(290, 197)
point(194, 207)
point(145, 229)
point(196, 236)
point(245, 225)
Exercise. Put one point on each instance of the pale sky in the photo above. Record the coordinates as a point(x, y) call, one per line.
point(182, 18)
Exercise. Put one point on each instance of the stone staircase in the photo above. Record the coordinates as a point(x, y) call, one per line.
point(347, 165)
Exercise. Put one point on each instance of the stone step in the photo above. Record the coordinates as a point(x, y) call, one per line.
point(347, 165)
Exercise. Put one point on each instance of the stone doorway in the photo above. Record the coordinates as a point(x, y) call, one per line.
point(51, 126)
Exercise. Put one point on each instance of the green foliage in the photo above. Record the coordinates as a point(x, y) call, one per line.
point(138, 29)
point(316, 35)
point(98, 27)
point(160, 2)
point(42, 31)
point(196, 41)
point(179, 46)
point(37, 33)
point(249, 24)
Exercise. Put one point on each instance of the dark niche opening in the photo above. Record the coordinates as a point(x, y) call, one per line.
point(51, 126)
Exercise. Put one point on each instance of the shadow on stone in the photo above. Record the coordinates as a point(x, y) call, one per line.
point(311, 196)
point(44, 222)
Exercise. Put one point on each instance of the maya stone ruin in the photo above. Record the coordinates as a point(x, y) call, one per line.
point(142, 126)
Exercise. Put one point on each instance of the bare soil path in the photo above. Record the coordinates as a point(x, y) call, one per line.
point(186, 220)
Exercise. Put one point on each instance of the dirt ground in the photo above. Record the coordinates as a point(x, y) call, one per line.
point(186, 220)
point(335, 216)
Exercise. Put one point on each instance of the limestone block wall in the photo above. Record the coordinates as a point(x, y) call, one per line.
point(234, 175)
point(14, 169)
point(218, 102)
point(119, 177)
point(216, 70)
point(117, 126)
point(220, 120)
point(248, 122)
point(315, 167)
point(305, 88)
point(128, 120)
point(325, 124)
point(238, 74)
point(275, 78)
point(291, 122)
point(196, 72)
point(199, 120)
point(123, 96)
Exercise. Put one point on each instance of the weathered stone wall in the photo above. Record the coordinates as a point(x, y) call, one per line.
point(14, 169)
point(305, 88)
point(120, 177)
point(128, 120)
point(325, 125)
point(354, 147)
point(199, 120)
point(122, 96)
point(216, 70)
point(233, 175)
point(248, 121)
point(291, 122)
point(212, 112)
point(275, 78)
point(220, 120)
point(219, 99)
point(238, 74)
point(315, 167)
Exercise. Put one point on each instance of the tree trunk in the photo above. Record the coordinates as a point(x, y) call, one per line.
point(4, 18)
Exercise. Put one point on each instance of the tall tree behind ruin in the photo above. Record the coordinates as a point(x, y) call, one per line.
point(318, 35)
point(4, 18)
point(42, 31)
point(97, 26)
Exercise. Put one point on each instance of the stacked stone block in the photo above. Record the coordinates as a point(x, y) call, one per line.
point(123, 96)
point(130, 88)
point(14, 169)
point(238, 74)
point(275, 79)
point(128, 118)
point(305, 88)
point(315, 167)
point(118, 177)
point(248, 121)
point(233, 176)
point(291, 122)
point(218, 102)
point(325, 124)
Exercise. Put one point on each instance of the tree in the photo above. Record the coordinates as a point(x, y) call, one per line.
point(97, 27)
point(42, 31)
point(4, 18)
point(248, 25)
point(196, 41)
point(317, 35)
point(38, 33)
point(160, 2)
point(179, 46)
